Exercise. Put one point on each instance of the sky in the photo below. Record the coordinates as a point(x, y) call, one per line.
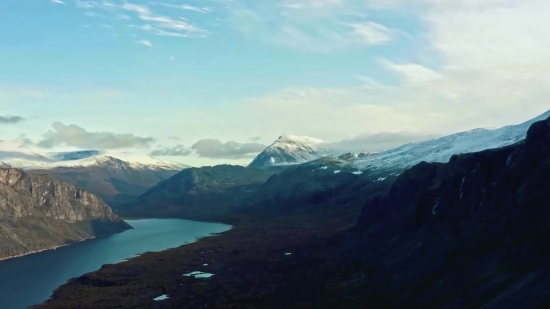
point(205, 82)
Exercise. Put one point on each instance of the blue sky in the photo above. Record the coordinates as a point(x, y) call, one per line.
point(242, 71)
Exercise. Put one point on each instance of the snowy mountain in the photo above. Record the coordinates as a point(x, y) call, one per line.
point(441, 149)
point(17, 155)
point(115, 177)
point(291, 149)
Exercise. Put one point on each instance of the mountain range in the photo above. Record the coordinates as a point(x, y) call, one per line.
point(115, 177)
point(469, 232)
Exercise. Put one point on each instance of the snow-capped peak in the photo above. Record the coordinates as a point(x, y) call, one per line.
point(18, 155)
point(291, 149)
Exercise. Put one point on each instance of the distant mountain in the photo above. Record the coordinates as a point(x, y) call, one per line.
point(38, 212)
point(290, 150)
point(198, 193)
point(115, 177)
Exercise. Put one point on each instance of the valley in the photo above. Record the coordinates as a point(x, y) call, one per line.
point(320, 235)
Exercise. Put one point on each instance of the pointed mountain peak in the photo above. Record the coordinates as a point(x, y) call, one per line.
point(290, 150)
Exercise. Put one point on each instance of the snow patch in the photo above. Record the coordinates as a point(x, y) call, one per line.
point(198, 274)
point(336, 171)
point(162, 297)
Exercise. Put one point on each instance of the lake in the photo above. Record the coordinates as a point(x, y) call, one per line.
point(31, 279)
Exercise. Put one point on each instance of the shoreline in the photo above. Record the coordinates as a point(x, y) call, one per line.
point(46, 249)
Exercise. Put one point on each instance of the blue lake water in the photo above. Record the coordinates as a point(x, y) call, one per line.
point(31, 279)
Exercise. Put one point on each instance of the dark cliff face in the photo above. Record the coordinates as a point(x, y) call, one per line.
point(38, 212)
point(471, 232)
point(198, 193)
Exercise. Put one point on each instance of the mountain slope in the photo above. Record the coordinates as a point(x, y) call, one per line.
point(469, 233)
point(441, 149)
point(38, 212)
point(197, 193)
point(290, 150)
point(339, 181)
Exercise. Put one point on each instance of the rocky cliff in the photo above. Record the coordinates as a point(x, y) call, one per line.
point(470, 233)
point(38, 212)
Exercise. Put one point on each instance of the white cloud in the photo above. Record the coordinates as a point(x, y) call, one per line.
point(58, 1)
point(293, 6)
point(485, 63)
point(155, 23)
point(185, 7)
point(372, 33)
point(314, 25)
point(411, 72)
point(144, 42)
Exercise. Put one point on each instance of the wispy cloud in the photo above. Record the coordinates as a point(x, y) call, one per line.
point(314, 25)
point(74, 135)
point(177, 150)
point(184, 7)
point(94, 14)
point(372, 33)
point(154, 22)
point(58, 1)
point(11, 119)
point(144, 42)
point(293, 6)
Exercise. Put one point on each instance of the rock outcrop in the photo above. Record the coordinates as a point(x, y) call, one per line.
point(38, 212)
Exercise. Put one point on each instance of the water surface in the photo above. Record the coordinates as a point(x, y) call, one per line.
point(30, 279)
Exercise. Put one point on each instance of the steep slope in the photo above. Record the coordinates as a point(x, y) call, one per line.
point(38, 212)
point(289, 150)
point(469, 233)
point(197, 193)
point(115, 177)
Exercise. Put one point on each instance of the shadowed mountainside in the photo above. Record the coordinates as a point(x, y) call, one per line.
point(206, 193)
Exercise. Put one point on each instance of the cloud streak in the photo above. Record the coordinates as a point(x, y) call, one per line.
point(11, 119)
point(215, 149)
point(75, 136)
point(144, 42)
point(177, 150)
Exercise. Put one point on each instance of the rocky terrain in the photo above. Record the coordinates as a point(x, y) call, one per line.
point(38, 212)
point(470, 233)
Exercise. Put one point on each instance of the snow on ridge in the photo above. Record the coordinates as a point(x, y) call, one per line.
point(299, 139)
point(442, 149)
point(17, 155)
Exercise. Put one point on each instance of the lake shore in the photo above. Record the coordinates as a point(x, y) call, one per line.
point(46, 249)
